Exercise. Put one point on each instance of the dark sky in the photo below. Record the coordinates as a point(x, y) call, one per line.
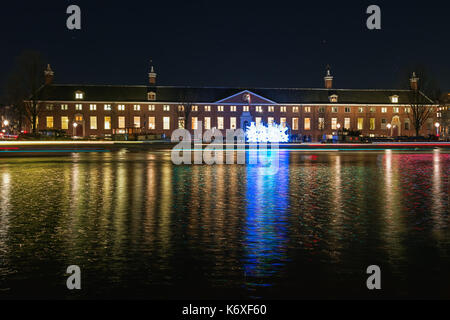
point(231, 43)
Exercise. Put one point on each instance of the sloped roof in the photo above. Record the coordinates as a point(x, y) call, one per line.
point(63, 92)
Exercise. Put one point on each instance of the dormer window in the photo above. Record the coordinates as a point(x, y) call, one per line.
point(79, 95)
point(394, 99)
point(333, 98)
point(151, 96)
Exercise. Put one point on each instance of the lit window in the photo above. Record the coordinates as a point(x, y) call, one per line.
point(220, 123)
point(137, 107)
point(361, 109)
point(78, 107)
point(107, 107)
point(283, 122)
point(207, 121)
point(270, 120)
point(50, 122)
point(121, 122)
point(93, 122)
point(107, 123)
point(194, 124)
point(271, 109)
point(79, 95)
point(137, 122)
point(64, 107)
point(166, 107)
point(321, 123)
point(232, 123)
point(180, 108)
point(333, 123)
point(334, 109)
point(372, 123)
point(383, 110)
point(151, 96)
point(233, 108)
point(295, 109)
point(151, 123)
point(333, 98)
point(93, 107)
point(394, 99)
point(259, 109)
point(78, 118)
point(347, 123)
point(307, 124)
point(166, 123)
point(49, 107)
point(194, 108)
point(372, 109)
point(282, 109)
point(245, 108)
point(360, 123)
point(307, 109)
point(121, 107)
point(220, 108)
point(294, 123)
point(207, 108)
point(64, 123)
point(407, 110)
point(258, 120)
point(151, 107)
point(181, 122)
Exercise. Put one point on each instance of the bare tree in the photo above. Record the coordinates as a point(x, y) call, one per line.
point(25, 86)
point(187, 97)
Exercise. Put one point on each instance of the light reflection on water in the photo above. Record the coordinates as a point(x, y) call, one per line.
point(139, 226)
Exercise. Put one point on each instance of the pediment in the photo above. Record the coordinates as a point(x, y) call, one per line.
point(246, 97)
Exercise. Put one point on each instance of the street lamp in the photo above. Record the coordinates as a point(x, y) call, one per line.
point(5, 123)
point(437, 125)
point(389, 126)
point(75, 124)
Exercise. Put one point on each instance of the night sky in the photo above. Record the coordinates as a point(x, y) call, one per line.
point(231, 43)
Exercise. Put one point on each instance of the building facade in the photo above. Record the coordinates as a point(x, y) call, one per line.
point(92, 111)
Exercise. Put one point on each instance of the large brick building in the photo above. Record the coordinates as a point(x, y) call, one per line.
point(104, 110)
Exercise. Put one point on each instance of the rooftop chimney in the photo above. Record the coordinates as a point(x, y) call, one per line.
point(414, 82)
point(152, 75)
point(48, 75)
point(328, 79)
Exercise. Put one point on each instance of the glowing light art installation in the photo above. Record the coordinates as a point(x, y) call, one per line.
point(270, 133)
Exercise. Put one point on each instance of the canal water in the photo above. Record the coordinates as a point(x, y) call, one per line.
point(140, 227)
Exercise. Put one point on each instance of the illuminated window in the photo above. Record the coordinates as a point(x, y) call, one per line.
point(383, 110)
point(271, 109)
point(151, 96)
point(259, 109)
point(258, 120)
point(79, 95)
point(78, 118)
point(107, 123)
point(180, 108)
point(220, 123)
point(360, 123)
point(151, 107)
point(333, 123)
point(93, 107)
point(372, 123)
point(136, 107)
point(233, 108)
point(93, 122)
point(407, 110)
point(64, 123)
point(49, 107)
point(121, 122)
point(361, 109)
point(121, 107)
point(307, 109)
point(220, 108)
point(137, 122)
point(394, 99)
point(245, 108)
point(396, 109)
point(107, 107)
point(270, 120)
point(151, 123)
point(295, 109)
point(50, 122)
point(64, 107)
point(294, 123)
point(283, 122)
point(307, 123)
point(347, 123)
point(333, 98)
point(321, 123)
point(166, 107)
point(207, 121)
point(194, 123)
point(334, 109)
point(181, 122)
point(232, 123)
point(282, 109)
point(166, 123)
point(372, 109)
point(194, 108)
point(207, 108)
point(78, 107)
